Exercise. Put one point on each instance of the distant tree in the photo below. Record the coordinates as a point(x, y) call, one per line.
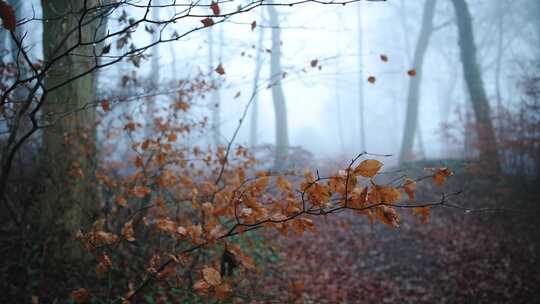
point(413, 94)
point(473, 78)
point(254, 122)
point(278, 96)
point(361, 112)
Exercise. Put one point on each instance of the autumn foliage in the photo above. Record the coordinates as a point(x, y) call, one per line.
point(173, 211)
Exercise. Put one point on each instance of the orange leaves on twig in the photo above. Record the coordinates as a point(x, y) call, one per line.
point(423, 212)
point(388, 216)
point(299, 225)
point(8, 16)
point(167, 225)
point(127, 231)
point(318, 194)
point(440, 176)
point(141, 191)
point(181, 105)
point(283, 184)
point(359, 198)
point(368, 168)
point(389, 195)
point(409, 186)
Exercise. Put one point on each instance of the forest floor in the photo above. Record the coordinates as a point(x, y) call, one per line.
point(458, 257)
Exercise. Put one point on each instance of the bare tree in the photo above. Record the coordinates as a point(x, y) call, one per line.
point(413, 95)
point(215, 99)
point(473, 78)
point(154, 72)
point(361, 111)
point(257, 74)
point(280, 107)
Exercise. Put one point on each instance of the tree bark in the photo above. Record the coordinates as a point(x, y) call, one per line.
point(413, 95)
point(473, 78)
point(278, 97)
point(71, 200)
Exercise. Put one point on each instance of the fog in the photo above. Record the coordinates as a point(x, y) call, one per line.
point(323, 102)
point(268, 151)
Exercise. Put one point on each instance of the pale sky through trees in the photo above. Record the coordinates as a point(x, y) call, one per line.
point(309, 32)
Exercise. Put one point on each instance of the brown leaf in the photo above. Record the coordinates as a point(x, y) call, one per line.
point(220, 70)
point(201, 287)
point(215, 8)
point(141, 191)
point(253, 25)
point(440, 176)
point(128, 232)
point(172, 137)
point(223, 291)
point(8, 16)
point(409, 186)
point(388, 216)
point(368, 168)
point(211, 276)
point(105, 105)
point(389, 194)
point(423, 212)
point(411, 73)
point(371, 79)
point(314, 63)
point(207, 22)
point(384, 58)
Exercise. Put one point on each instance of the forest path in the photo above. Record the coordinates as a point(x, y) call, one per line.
point(457, 257)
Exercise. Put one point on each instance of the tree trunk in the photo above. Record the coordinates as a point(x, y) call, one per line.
point(70, 201)
point(361, 127)
point(337, 91)
point(413, 95)
point(255, 105)
point(280, 109)
point(215, 97)
point(473, 78)
point(154, 76)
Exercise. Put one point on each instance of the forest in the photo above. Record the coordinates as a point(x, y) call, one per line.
point(269, 151)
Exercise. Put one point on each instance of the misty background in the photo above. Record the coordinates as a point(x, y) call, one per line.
point(323, 102)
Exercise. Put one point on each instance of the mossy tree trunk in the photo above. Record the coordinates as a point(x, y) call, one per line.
point(70, 201)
